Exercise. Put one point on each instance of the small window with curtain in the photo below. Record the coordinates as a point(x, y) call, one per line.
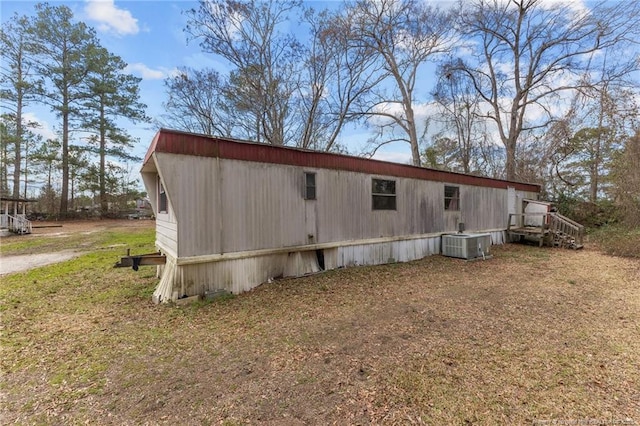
point(452, 198)
point(383, 194)
point(309, 186)
point(162, 198)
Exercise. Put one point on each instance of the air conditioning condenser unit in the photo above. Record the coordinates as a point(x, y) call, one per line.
point(467, 246)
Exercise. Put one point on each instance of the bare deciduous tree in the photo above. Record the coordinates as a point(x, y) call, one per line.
point(195, 102)
point(531, 52)
point(402, 35)
point(583, 142)
point(584, 155)
point(626, 176)
point(335, 77)
point(247, 34)
point(460, 108)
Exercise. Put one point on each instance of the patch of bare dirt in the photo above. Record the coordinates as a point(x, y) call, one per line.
point(85, 226)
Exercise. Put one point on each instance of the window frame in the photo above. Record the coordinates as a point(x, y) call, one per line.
point(163, 202)
point(378, 196)
point(452, 202)
point(310, 192)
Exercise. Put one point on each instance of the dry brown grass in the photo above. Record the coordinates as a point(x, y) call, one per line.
point(530, 335)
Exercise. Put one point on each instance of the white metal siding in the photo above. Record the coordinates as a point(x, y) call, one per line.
point(381, 253)
point(149, 179)
point(225, 206)
point(345, 211)
point(239, 275)
point(166, 223)
point(262, 206)
point(511, 197)
point(191, 185)
point(483, 208)
point(221, 206)
point(167, 235)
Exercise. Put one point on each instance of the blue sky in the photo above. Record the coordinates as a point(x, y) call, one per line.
point(149, 36)
point(146, 34)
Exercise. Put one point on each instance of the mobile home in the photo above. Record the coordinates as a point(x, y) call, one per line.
point(231, 214)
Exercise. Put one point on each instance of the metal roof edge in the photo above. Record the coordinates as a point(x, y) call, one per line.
point(173, 141)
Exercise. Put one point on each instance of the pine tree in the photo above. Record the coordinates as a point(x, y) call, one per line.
point(18, 86)
point(114, 96)
point(63, 54)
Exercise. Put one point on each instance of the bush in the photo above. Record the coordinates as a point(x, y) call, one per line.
point(617, 240)
point(591, 215)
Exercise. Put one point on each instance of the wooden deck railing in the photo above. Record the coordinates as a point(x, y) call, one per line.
point(521, 222)
point(566, 231)
point(550, 228)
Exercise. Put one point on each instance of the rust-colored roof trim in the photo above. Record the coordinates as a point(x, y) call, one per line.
point(178, 142)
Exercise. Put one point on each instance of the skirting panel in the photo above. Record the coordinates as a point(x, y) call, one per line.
point(498, 237)
point(164, 290)
point(380, 253)
point(239, 275)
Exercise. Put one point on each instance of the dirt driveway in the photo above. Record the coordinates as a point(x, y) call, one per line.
point(11, 264)
point(62, 242)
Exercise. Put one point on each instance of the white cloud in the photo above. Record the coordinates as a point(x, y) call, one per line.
point(43, 128)
point(577, 7)
point(110, 18)
point(234, 20)
point(421, 111)
point(393, 156)
point(148, 73)
point(200, 60)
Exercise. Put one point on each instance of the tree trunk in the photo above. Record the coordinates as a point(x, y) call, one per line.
point(49, 193)
point(64, 191)
point(413, 136)
point(4, 176)
point(594, 170)
point(26, 168)
point(104, 205)
point(73, 181)
point(595, 167)
point(17, 161)
point(510, 163)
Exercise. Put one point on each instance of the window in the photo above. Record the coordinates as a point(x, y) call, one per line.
point(162, 198)
point(309, 186)
point(383, 194)
point(452, 198)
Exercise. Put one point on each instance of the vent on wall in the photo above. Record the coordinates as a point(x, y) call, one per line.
point(466, 246)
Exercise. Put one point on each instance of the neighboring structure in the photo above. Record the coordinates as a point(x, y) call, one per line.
point(16, 223)
point(231, 215)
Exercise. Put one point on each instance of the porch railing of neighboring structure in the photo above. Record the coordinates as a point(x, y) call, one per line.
point(17, 224)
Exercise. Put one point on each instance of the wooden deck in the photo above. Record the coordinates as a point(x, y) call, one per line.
point(554, 230)
point(536, 233)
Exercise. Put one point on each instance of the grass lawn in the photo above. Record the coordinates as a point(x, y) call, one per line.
point(530, 336)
